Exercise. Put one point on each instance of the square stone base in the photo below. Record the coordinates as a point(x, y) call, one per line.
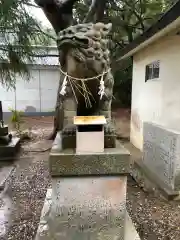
point(88, 208)
point(8, 152)
point(68, 163)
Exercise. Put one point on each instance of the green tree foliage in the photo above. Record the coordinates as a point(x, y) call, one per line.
point(129, 18)
point(18, 32)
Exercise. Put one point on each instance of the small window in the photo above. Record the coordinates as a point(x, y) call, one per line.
point(152, 71)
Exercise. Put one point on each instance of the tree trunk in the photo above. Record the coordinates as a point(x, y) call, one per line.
point(58, 116)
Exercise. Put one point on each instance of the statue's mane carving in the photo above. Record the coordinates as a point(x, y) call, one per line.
point(88, 44)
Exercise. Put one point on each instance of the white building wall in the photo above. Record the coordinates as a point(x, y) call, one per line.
point(49, 80)
point(36, 95)
point(7, 98)
point(156, 100)
point(27, 92)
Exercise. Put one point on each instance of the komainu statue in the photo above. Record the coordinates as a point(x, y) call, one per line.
point(86, 78)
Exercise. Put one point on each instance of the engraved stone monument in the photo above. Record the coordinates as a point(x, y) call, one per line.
point(9, 145)
point(161, 154)
point(159, 168)
point(88, 167)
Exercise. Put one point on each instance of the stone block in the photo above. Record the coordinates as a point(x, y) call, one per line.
point(69, 141)
point(90, 142)
point(161, 153)
point(110, 140)
point(65, 162)
point(8, 152)
point(89, 218)
point(69, 114)
point(69, 104)
point(4, 130)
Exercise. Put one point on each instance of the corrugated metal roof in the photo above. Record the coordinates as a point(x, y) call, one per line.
point(48, 60)
point(46, 55)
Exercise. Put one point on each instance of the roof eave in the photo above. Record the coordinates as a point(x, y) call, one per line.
point(172, 26)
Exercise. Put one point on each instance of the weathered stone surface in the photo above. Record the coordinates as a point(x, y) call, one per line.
point(101, 212)
point(161, 153)
point(88, 208)
point(4, 130)
point(67, 162)
point(130, 231)
point(8, 152)
point(5, 171)
point(69, 140)
point(69, 114)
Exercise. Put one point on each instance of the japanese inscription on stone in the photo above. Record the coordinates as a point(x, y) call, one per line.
point(160, 152)
point(89, 208)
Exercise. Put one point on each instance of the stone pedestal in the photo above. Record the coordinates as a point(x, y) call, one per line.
point(87, 208)
point(3, 130)
point(9, 151)
point(86, 201)
point(67, 219)
point(66, 162)
point(9, 145)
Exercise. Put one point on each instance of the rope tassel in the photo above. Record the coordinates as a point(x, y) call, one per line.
point(64, 85)
point(101, 87)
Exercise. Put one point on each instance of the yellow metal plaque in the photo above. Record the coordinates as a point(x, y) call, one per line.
point(89, 120)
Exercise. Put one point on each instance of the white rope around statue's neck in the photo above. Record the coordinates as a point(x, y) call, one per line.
point(84, 79)
point(69, 78)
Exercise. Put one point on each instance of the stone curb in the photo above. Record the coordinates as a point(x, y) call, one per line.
point(4, 174)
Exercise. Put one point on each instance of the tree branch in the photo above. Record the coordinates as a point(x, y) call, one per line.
point(134, 11)
point(96, 11)
point(58, 13)
point(32, 5)
point(46, 34)
point(114, 6)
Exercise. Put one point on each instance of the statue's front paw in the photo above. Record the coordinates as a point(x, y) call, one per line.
point(109, 129)
point(69, 129)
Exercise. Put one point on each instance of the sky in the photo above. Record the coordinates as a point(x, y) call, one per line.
point(39, 14)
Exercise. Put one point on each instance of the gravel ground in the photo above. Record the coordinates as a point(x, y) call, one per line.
point(22, 200)
point(154, 218)
point(26, 188)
